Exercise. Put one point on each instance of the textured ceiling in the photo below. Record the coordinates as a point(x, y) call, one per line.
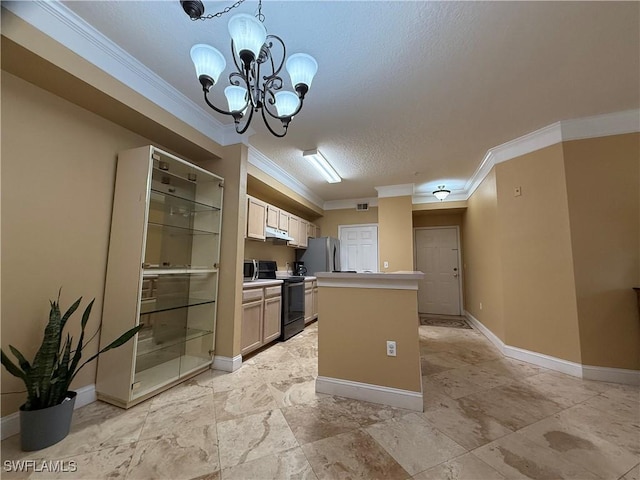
point(407, 92)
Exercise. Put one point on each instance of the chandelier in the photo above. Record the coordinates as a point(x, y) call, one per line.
point(256, 85)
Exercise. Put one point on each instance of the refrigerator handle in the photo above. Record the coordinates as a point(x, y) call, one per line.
point(333, 267)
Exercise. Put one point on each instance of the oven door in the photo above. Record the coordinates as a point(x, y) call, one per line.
point(293, 301)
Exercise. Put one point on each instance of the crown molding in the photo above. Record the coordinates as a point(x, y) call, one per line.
point(349, 203)
point(264, 163)
point(617, 123)
point(70, 30)
point(395, 190)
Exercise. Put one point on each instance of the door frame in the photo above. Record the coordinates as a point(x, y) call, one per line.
point(460, 266)
point(340, 227)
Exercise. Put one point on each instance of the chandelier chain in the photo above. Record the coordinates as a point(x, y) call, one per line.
point(219, 14)
point(260, 16)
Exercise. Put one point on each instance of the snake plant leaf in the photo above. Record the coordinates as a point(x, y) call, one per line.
point(24, 364)
point(11, 367)
point(47, 355)
point(78, 353)
point(121, 340)
point(70, 311)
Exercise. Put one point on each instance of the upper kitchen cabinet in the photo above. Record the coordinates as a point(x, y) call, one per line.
point(256, 218)
point(273, 216)
point(162, 273)
point(294, 231)
point(303, 237)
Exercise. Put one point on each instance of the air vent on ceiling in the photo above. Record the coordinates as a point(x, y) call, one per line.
point(362, 207)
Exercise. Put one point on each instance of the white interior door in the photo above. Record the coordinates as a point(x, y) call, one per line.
point(436, 255)
point(358, 247)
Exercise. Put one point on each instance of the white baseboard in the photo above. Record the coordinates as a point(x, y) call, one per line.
point(394, 397)
point(227, 364)
point(615, 375)
point(588, 372)
point(492, 337)
point(10, 424)
point(542, 360)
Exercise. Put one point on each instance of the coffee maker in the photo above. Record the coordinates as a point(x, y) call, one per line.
point(299, 270)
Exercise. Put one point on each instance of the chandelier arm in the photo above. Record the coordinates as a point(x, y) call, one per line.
point(273, 132)
point(284, 55)
point(233, 55)
point(206, 99)
point(246, 125)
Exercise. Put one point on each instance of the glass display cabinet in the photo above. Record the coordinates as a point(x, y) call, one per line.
point(162, 273)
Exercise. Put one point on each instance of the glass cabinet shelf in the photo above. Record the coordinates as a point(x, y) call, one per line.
point(172, 230)
point(153, 271)
point(163, 200)
point(165, 304)
point(147, 346)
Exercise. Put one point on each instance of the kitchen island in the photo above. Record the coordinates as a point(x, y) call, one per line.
point(359, 313)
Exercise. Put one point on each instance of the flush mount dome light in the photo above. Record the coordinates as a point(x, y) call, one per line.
point(257, 72)
point(441, 193)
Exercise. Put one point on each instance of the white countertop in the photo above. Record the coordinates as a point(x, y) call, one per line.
point(404, 280)
point(261, 283)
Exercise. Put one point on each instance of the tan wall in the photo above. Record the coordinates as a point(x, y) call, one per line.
point(395, 233)
point(482, 263)
point(535, 244)
point(603, 186)
point(437, 220)
point(58, 172)
point(355, 326)
point(349, 216)
point(283, 255)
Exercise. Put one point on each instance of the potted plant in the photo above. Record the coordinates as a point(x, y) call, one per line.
point(45, 418)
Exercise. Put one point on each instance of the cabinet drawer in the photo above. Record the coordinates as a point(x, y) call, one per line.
point(273, 291)
point(252, 295)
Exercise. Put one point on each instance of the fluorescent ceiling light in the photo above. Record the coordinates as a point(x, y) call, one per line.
point(321, 164)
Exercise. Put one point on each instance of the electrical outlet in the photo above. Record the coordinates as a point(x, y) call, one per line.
point(480, 305)
point(391, 348)
point(517, 191)
point(386, 264)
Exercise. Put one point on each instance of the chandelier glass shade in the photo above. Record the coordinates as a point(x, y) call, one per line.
point(256, 84)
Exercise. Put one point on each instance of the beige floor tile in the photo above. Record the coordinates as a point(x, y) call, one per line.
point(414, 443)
point(295, 391)
point(247, 438)
point(454, 383)
point(465, 467)
point(322, 419)
point(464, 422)
point(246, 376)
point(366, 413)
point(581, 447)
point(633, 474)
point(179, 418)
point(513, 405)
point(624, 406)
point(440, 362)
point(352, 455)
point(607, 425)
point(184, 391)
point(112, 462)
point(287, 465)
point(514, 368)
point(175, 457)
point(243, 401)
point(565, 390)
point(515, 456)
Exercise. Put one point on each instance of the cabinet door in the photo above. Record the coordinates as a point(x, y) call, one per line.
point(311, 230)
point(318, 233)
point(251, 335)
point(308, 302)
point(302, 239)
point(315, 302)
point(283, 221)
point(273, 216)
point(294, 231)
point(272, 309)
point(256, 218)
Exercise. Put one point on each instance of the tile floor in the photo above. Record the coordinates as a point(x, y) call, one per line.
point(485, 417)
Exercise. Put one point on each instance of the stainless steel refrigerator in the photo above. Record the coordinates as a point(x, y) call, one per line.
point(322, 255)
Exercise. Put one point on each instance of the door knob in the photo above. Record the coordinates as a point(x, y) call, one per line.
point(455, 274)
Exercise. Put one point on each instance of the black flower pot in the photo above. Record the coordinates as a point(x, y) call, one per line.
point(42, 428)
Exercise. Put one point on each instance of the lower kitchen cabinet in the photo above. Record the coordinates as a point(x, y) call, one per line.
point(261, 311)
point(310, 300)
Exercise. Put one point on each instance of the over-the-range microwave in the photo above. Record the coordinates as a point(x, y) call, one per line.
point(250, 270)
